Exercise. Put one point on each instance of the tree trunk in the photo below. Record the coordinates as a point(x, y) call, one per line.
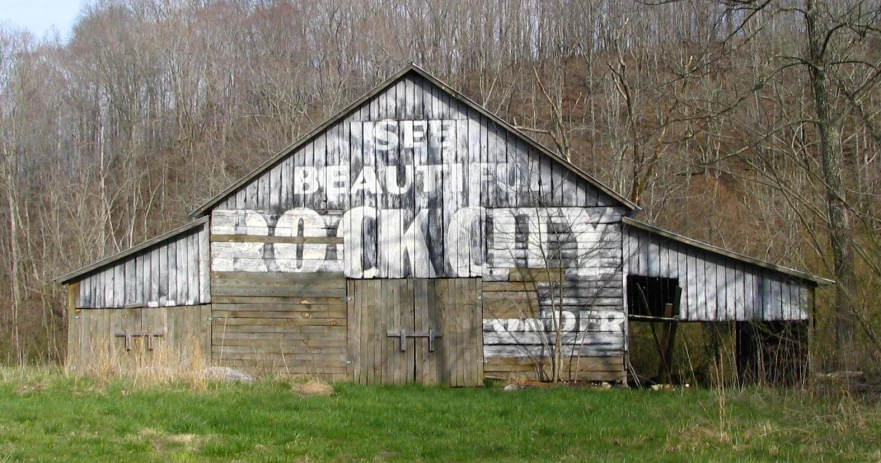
point(14, 273)
point(840, 232)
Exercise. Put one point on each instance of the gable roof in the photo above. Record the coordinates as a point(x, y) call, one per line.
point(726, 253)
point(107, 261)
point(410, 69)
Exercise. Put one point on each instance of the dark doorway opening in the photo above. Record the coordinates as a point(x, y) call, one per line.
point(772, 353)
point(648, 296)
point(653, 311)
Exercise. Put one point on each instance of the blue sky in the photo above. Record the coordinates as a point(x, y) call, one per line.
point(40, 15)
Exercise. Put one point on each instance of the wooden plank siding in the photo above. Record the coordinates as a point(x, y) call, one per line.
point(180, 339)
point(519, 329)
point(406, 184)
point(280, 323)
point(395, 213)
point(416, 184)
point(168, 273)
point(715, 286)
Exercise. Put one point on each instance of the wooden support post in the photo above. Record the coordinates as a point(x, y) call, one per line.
point(667, 343)
point(668, 337)
point(748, 353)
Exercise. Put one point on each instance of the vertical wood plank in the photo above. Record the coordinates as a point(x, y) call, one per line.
point(390, 311)
point(749, 294)
point(462, 313)
point(287, 186)
point(377, 335)
point(204, 334)
point(192, 277)
point(408, 322)
point(738, 310)
point(709, 287)
point(83, 294)
point(353, 340)
point(137, 291)
point(169, 273)
point(181, 270)
point(420, 323)
point(273, 200)
point(118, 285)
point(700, 274)
point(263, 190)
point(204, 266)
point(74, 329)
point(364, 335)
point(448, 329)
point(299, 175)
point(786, 311)
point(146, 276)
point(155, 274)
point(477, 328)
point(721, 288)
point(251, 195)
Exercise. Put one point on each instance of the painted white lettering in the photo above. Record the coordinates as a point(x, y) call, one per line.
point(442, 134)
point(430, 175)
point(604, 320)
point(337, 181)
point(457, 182)
point(366, 181)
point(532, 325)
point(414, 134)
point(385, 133)
point(350, 230)
point(416, 248)
point(464, 252)
point(240, 257)
point(305, 180)
point(392, 182)
point(307, 257)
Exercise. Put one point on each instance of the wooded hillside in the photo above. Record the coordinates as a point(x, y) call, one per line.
point(752, 125)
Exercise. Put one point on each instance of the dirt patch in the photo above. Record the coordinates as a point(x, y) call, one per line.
point(162, 441)
point(314, 388)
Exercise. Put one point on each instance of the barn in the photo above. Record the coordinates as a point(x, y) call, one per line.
point(413, 237)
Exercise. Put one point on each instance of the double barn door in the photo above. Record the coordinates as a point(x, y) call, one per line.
point(425, 331)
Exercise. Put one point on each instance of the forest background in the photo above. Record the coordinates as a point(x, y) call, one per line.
point(750, 124)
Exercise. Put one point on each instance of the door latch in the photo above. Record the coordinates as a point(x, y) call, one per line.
point(431, 334)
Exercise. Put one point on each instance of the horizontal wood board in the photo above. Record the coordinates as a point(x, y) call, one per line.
point(280, 323)
point(520, 317)
point(573, 368)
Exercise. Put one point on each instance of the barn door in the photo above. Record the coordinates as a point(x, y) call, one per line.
point(416, 330)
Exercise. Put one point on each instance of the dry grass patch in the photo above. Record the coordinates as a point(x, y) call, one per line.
point(314, 388)
point(163, 442)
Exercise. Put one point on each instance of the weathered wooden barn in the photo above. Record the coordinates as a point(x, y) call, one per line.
point(414, 237)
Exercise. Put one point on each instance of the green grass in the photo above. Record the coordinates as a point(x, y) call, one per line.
point(49, 417)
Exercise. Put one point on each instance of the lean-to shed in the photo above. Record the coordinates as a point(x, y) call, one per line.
point(414, 237)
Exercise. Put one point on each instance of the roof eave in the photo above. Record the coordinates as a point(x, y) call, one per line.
point(82, 271)
point(817, 280)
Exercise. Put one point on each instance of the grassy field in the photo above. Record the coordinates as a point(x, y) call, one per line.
point(45, 416)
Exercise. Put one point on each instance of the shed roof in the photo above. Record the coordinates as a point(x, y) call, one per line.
point(410, 69)
point(85, 271)
point(817, 280)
